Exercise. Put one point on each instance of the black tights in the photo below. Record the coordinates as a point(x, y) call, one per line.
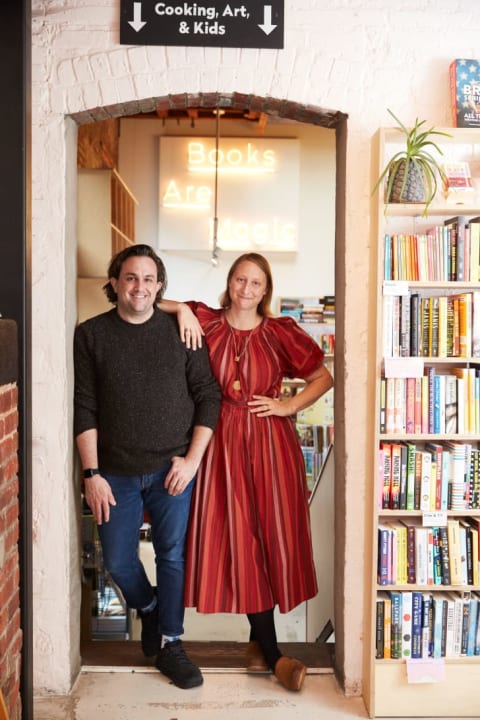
point(262, 629)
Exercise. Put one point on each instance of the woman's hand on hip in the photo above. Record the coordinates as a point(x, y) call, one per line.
point(264, 406)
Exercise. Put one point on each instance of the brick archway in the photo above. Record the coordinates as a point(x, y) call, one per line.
point(285, 109)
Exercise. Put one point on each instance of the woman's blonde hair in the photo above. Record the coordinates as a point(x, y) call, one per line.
point(261, 262)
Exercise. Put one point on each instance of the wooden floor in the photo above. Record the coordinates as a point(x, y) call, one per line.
point(209, 655)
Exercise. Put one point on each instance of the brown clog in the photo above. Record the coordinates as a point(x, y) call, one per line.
point(255, 661)
point(290, 672)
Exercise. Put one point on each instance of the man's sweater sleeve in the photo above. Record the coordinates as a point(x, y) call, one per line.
point(203, 388)
point(85, 399)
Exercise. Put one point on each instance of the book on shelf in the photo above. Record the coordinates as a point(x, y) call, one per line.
point(472, 626)
point(476, 649)
point(474, 523)
point(427, 625)
point(439, 618)
point(456, 227)
point(465, 92)
point(437, 557)
point(436, 452)
point(396, 623)
point(465, 622)
point(454, 551)
point(385, 548)
point(416, 643)
point(396, 473)
point(385, 474)
point(448, 634)
point(379, 628)
point(451, 408)
point(457, 601)
point(457, 184)
point(407, 608)
point(384, 629)
point(399, 560)
point(475, 333)
point(444, 554)
point(410, 480)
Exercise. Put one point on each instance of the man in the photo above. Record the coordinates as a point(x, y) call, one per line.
point(145, 409)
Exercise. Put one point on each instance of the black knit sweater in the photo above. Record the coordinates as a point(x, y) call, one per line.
point(141, 389)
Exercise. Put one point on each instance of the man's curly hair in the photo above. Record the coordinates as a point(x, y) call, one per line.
point(117, 261)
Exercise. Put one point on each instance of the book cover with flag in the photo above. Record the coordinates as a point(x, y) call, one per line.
point(465, 92)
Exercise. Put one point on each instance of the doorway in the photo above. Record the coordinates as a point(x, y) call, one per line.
point(164, 111)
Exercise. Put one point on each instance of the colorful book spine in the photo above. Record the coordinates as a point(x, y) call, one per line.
point(407, 608)
point(396, 635)
point(427, 625)
point(417, 599)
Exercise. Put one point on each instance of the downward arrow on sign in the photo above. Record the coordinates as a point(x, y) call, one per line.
point(267, 26)
point(137, 22)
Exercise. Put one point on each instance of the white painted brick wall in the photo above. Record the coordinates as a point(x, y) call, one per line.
point(355, 56)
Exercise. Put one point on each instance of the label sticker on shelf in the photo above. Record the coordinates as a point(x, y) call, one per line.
point(434, 518)
point(426, 670)
point(395, 287)
point(404, 367)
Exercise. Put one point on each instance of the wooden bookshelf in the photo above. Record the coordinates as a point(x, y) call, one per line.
point(448, 686)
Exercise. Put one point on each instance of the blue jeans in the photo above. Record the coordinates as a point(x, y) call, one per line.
point(120, 538)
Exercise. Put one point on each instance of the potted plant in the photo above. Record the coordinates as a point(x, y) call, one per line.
point(412, 173)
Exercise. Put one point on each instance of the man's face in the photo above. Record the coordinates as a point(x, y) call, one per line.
point(136, 288)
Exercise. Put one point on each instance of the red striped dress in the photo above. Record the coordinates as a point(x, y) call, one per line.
point(249, 545)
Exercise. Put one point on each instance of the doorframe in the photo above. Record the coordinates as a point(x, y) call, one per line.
point(312, 115)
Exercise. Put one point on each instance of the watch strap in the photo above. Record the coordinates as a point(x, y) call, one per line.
point(90, 472)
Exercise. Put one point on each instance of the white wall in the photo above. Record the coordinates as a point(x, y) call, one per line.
point(352, 56)
point(310, 271)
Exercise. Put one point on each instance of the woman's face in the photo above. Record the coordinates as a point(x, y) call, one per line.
point(247, 286)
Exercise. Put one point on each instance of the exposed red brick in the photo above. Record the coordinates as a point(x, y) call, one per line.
point(10, 631)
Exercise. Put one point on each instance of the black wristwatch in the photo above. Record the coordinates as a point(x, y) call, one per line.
point(90, 472)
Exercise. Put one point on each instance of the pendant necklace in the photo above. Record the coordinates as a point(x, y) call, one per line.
point(237, 355)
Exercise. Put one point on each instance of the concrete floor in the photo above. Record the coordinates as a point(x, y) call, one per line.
point(136, 695)
point(146, 695)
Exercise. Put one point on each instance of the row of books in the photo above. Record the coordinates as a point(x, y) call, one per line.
point(445, 253)
point(315, 441)
point(428, 476)
point(416, 325)
point(412, 553)
point(325, 340)
point(423, 625)
point(309, 310)
point(431, 403)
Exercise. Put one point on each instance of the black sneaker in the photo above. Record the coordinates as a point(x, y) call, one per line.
point(150, 635)
point(173, 662)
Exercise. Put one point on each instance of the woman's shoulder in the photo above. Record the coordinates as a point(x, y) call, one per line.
point(204, 312)
point(280, 323)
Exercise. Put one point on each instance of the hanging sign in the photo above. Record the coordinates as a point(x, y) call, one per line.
point(247, 24)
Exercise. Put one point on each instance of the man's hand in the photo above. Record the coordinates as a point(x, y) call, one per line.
point(99, 497)
point(180, 475)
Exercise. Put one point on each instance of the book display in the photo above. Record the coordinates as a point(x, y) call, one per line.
point(423, 647)
point(315, 425)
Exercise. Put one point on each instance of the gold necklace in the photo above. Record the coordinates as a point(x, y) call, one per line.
point(238, 354)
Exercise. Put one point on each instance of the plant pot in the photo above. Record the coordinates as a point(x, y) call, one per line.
point(407, 185)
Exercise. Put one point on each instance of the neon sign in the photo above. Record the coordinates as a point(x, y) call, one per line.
point(257, 193)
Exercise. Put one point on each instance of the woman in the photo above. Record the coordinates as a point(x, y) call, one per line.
point(249, 544)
